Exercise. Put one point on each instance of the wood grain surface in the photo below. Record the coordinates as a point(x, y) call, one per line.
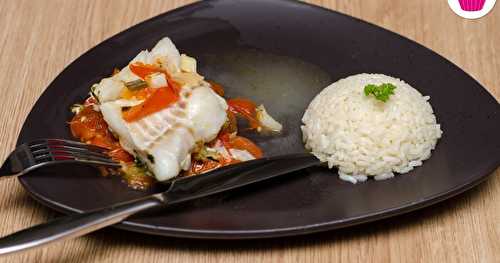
point(38, 38)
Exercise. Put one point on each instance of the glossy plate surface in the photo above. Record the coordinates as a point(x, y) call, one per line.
point(281, 54)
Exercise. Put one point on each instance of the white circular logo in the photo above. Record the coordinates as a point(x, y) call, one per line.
point(471, 9)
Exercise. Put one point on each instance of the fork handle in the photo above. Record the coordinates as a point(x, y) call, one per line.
point(76, 225)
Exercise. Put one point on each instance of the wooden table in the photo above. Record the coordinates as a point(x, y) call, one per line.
point(38, 38)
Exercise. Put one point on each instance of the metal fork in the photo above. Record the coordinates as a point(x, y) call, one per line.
point(39, 153)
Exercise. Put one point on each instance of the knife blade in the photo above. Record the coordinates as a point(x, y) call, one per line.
point(180, 190)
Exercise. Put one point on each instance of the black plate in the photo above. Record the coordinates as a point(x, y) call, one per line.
point(281, 54)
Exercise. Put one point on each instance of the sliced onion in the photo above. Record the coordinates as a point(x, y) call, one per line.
point(188, 64)
point(266, 121)
point(241, 155)
point(156, 80)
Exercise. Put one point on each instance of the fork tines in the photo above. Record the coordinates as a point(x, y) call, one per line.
point(58, 150)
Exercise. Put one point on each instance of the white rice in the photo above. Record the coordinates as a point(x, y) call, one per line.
point(363, 136)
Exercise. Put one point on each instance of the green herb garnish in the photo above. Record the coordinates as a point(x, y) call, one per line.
point(381, 92)
point(136, 84)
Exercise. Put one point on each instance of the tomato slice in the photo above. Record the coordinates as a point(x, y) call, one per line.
point(102, 140)
point(158, 100)
point(89, 126)
point(246, 109)
point(142, 70)
point(199, 167)
point(242, 143)
point(176, 87)
point(120, 154)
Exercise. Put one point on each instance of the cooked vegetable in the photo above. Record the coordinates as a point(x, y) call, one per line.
point(93, 93)
point(206, 141)
point(191, 79)
point(266, 121)
point(142, 70)
point(231, 141)
point(381, 92)
point(89, 126)
point(158, 100)
point(242, 143)
point(199, 167)
point(120, 154)
point(76, 108)
point(188, 64)
point(244, 108)
point(141, 94)
point(156, 80)
point(206, 153)
point(137, 177)
point(136, 85)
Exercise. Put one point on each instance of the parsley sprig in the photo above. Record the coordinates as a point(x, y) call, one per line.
point(381, 92)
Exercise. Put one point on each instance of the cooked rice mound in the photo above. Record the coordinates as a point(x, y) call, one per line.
point(363, 136)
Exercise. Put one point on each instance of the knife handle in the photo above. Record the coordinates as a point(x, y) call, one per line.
point(76, 225)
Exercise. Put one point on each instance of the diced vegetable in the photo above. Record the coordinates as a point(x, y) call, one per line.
point(241, 155)
point(156, 80)
point(191, 79)
point(136, 85)
point(158, 100)
point(93, 92)
point(76, 108)
point(188, 64)
point(206, 153)
point(242, 143)
point(266, 121)
point(89, 126)
point(142, 70)
point(137, 177)
point(199, 167)
point(121, 155)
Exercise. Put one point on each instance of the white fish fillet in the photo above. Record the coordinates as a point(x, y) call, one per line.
point(163, 140)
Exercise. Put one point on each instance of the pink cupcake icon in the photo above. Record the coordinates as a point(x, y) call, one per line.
point(471, 5)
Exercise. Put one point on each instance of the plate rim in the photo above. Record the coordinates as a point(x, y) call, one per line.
point(476, 179)
point(274, 232)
